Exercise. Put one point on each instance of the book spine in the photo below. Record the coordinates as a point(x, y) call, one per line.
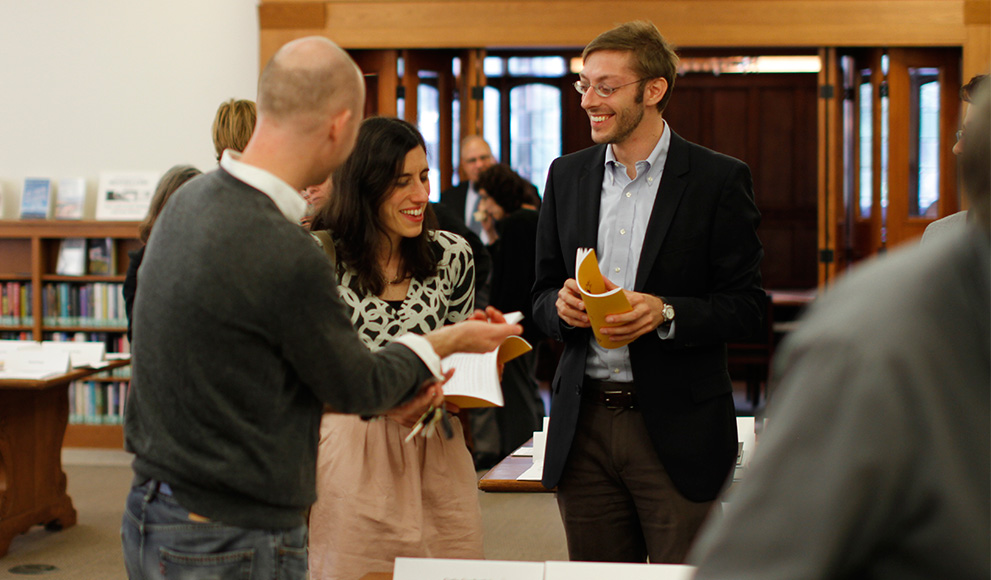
point(5, 315)
point(27, 312)
point(16, 312)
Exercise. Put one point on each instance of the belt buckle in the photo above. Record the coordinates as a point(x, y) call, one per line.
point(611, 400)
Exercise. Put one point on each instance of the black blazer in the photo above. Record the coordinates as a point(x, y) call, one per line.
point(702, 255)
point(454, 198)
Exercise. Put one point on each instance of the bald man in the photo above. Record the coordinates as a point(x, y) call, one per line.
point(240, 339)
point(476, 157)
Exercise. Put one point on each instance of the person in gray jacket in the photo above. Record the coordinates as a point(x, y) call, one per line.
point(240, 340)
point(875, 460)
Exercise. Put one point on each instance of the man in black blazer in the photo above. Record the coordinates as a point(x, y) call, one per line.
point(476, 156)
point(642, 437)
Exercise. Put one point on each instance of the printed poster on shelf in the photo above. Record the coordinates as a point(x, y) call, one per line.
point(125, 196)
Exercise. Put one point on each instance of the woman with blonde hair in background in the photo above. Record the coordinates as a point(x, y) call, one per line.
point(233, 125)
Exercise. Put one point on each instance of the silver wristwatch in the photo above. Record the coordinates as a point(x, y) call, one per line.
point(667, 312)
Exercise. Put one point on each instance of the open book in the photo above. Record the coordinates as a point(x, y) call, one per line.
point(599, 302)
point(476, 375)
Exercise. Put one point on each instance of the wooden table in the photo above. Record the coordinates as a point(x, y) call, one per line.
point(502, 477)
point(33, 417)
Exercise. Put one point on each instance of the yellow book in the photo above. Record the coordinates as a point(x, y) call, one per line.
point(476, 375)
point(599, 302)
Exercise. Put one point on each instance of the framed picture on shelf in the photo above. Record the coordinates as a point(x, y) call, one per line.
point(36, 199)
point(70, 198)
point(125, 196)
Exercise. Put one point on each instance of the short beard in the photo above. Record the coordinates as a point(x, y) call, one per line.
point(625, 129)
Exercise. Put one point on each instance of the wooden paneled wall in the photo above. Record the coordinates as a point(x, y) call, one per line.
point(688, 23)
point(774, 132)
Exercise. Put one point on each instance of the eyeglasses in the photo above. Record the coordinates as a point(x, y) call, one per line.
point(960, 135)
point(600, 89)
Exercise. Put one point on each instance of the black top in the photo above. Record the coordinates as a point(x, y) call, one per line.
point(131, 284)
point(513, 267)
point(450, 221)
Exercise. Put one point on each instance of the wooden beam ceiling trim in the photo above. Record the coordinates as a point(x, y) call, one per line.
point(977, 12)
point(291, 15)
point(688, 23)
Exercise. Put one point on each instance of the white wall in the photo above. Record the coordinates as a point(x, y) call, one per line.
point(121, 85)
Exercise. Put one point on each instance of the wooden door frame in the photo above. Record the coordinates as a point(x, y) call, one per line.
point(900, 225)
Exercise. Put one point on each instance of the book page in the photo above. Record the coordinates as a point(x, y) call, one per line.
point(476, 380)
point(476, 375)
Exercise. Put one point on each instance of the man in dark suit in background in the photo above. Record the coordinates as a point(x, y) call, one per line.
point(476, 156)
point(642, 437)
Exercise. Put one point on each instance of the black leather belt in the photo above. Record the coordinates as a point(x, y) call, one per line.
point(610, 395)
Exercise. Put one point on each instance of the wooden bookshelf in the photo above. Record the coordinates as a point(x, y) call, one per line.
point(28, 254)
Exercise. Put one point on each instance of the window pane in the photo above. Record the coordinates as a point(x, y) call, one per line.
point(884, 169)
point(539, 66)
point(923, 187)
point(428, 119)
point(493, 66)
point(490, 104)
point(866, 150)
point(455, 138)
point(535, 130)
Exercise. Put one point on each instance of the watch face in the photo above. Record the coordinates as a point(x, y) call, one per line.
point(668, 312)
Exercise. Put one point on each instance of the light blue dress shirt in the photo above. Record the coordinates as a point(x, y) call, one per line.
point(624, 210)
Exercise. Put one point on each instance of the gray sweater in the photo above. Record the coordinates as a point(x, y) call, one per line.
point(875, 460)
point(239, 339)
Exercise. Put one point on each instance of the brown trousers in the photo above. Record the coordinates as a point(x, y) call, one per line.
point(617, 501)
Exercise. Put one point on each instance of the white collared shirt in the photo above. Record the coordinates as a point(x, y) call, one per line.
point(625, 206)
point(289, 201)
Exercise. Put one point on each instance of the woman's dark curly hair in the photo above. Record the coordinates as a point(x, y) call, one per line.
point(361, 186)
point(504, 186)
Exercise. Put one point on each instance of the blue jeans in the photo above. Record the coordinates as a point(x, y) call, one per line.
point(161, 542)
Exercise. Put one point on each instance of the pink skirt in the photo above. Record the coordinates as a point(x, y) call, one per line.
point(379, 497)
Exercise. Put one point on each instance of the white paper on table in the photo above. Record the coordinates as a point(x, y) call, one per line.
point(746, 436)
point(536, 471)
point(445, 569)
point(554, 570)
point(81, 354)
point(9, 346)
point(523, 452)
point(35, 364)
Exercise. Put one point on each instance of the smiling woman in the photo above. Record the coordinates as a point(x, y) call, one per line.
point(378, 495)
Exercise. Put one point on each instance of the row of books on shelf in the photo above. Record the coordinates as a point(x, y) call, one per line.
point(15, 304)
point(94, 304)
point(120, 196)
point(97, 402)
